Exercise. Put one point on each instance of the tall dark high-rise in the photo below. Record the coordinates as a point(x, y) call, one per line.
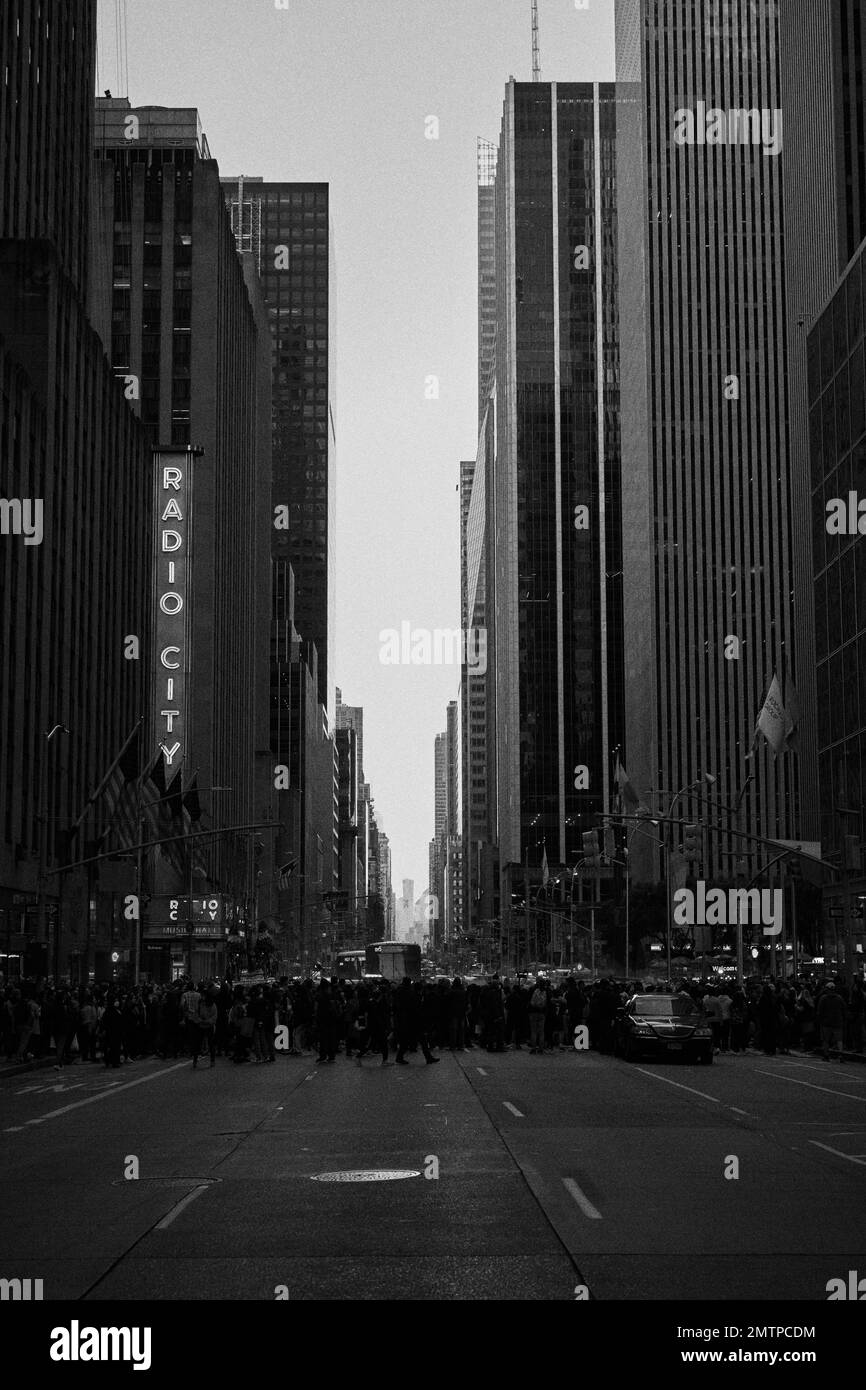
point(707, 529)
point(46, 120)
point(72, 451)
point(477, 691)
point(552, 529)
point(286, 228)
point(820, 52)
point(837, 400)
point(825, 188)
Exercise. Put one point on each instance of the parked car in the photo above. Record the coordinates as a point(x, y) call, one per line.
point(658, 1025)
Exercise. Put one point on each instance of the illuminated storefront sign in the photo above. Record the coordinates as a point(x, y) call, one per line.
point(172, 585)
point(171, 916)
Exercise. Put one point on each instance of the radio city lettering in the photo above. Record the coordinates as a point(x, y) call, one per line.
point(738, 906)
point(173, 500)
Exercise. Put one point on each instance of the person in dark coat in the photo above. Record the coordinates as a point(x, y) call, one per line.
point(457, 1021)
point(408, 1023)
point(492, 1017)
point(768, 1019)
point(326, 1023)
point(112, 1032)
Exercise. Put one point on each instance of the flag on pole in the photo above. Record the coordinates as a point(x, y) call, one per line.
point(628, 800)
point(679, 870)
point(545, 871)
point(774, 721)
point(192, 817)
point(124, 771)
point(286, 873)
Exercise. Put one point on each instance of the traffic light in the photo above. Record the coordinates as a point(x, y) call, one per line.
point(591, 849)
point(795, 867)
point(693, 843)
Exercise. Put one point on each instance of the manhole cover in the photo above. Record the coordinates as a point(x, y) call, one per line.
point(368, 1175)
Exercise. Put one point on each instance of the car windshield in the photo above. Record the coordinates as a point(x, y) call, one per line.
point(668, 1007)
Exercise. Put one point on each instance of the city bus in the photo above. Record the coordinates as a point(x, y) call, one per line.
point(394, 960)
point(351, 965)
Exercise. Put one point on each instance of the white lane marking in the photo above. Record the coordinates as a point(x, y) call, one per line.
point(805, 1066)
point(311, 1075)
point(795, 1081)
point(737, 1111)
point(582, 1200)
point(852, 1158)
point(104, 1095)
point(481, 1071)
point(179, 1206)
point(514, 1110)
point(679, 1084)
point(58, 1089)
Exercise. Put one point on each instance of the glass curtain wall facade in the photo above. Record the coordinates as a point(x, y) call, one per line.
point(286, 227)
point(556, 475)
point(837, 399)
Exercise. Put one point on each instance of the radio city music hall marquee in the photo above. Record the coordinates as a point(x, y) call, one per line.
point(171, 630)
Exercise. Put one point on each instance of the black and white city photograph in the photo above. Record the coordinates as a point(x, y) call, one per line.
point(432, 635)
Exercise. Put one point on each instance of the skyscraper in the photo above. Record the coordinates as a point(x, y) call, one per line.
point(75, 472)
point(185, 324)
point(825, 221)
point(553, 596)
point(705, 436)
point(352, 717)
point(825, 187)
point(286, 229)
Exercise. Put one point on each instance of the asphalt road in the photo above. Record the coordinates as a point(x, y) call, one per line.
point(553, 1172)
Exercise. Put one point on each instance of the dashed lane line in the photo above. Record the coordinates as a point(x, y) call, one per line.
point(514, 1110)
point(178, 1207)
point(678, 1084)
point(795, 1081)
point(582, 1200)
point(852, 1158)
point(481, 1071)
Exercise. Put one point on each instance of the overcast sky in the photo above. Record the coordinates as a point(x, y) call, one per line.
point(339, 91)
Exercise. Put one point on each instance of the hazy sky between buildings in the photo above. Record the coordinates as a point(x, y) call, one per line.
point(339, 91)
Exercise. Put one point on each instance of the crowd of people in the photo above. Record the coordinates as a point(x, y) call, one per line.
point(113, 1024)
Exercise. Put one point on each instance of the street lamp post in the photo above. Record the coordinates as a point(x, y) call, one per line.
point(43, 853)
point(708, 779)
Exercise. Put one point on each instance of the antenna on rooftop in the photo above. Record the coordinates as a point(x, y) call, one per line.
point(536, 56)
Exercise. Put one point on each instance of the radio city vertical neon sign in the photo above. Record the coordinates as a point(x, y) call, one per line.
point(173, 493)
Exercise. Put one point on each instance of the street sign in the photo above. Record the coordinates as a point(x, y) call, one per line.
point(837, 912)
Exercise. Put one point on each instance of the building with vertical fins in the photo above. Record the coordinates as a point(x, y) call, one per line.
point(75, 585)
point(553, 592)
point(708, 544)
point(186, 326)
